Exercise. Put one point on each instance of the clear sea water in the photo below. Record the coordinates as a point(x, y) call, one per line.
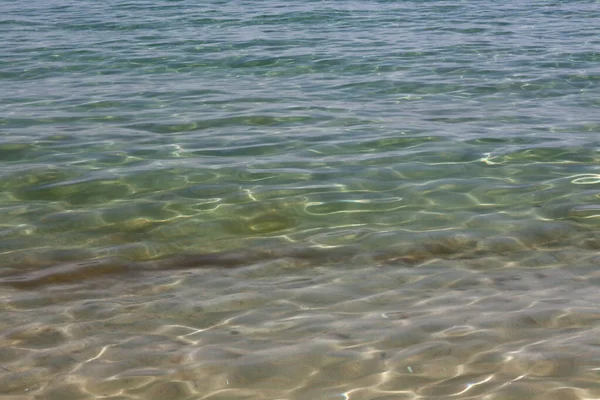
point(299, 199)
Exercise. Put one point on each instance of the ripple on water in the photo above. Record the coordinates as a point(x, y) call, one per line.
point(268, 200)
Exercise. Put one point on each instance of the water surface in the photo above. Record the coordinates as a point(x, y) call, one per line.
point(299, 200)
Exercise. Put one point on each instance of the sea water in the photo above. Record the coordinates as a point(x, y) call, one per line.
point(299, 199)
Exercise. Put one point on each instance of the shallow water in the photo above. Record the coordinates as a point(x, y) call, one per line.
point(299, 200)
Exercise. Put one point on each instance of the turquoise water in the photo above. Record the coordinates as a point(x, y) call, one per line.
point(299, 200)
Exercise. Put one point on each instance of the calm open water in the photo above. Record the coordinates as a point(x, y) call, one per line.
point(299, 200)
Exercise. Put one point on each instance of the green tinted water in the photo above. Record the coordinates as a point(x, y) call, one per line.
point(299, 200)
